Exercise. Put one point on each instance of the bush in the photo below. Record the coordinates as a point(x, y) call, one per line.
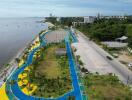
point(108, 29)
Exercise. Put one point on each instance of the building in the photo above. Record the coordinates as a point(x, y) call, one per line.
point(58, 19)
point(122, 39)
point(118, 17)
point(77, 23)
point(89, 19)
point(100, 16)
point(50, 15)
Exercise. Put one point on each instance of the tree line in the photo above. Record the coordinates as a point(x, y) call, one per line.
point(108, 29)
point(102, 29)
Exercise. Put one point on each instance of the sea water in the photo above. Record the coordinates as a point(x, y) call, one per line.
point(15, 33)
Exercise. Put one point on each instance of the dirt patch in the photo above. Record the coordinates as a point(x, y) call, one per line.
point(125, 56)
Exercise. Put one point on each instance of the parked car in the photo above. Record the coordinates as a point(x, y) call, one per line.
point(108, 57)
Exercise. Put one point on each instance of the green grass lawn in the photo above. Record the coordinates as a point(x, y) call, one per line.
point(106, 87)
point(49, 66)
point(51, 74)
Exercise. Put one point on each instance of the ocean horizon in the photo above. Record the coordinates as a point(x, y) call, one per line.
point(16, 33)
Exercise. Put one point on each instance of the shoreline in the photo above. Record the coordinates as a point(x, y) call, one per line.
point(21, 50)
point(5, 72)
point(49, 24)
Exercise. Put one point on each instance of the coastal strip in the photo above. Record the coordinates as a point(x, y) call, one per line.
point(7, 71)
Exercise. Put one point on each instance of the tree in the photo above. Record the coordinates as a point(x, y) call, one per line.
point(130, 42)
point(17, 60)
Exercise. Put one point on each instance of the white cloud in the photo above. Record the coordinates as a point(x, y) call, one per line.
point(64, 7)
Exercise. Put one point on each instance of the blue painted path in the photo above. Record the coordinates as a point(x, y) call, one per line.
point(16, 91)
point(77, 91)
point(74, 38)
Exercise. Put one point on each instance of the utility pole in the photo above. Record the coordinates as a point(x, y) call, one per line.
point(128, 80)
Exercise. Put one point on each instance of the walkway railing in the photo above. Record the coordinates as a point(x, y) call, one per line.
point(81, 84)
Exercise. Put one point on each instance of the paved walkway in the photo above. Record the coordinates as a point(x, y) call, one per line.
point(77, 91)
point(15, 91)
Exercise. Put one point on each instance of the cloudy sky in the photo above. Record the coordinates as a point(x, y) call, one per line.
point(39, 8)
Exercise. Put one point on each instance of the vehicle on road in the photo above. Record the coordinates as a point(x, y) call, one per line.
point(130, 65)
point(108, 57)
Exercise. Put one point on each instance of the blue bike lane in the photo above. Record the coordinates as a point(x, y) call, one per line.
point(76, 89)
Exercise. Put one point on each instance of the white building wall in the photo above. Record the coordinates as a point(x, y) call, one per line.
point(89, 19)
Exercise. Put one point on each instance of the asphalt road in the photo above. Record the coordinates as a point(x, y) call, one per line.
point(124, 74)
